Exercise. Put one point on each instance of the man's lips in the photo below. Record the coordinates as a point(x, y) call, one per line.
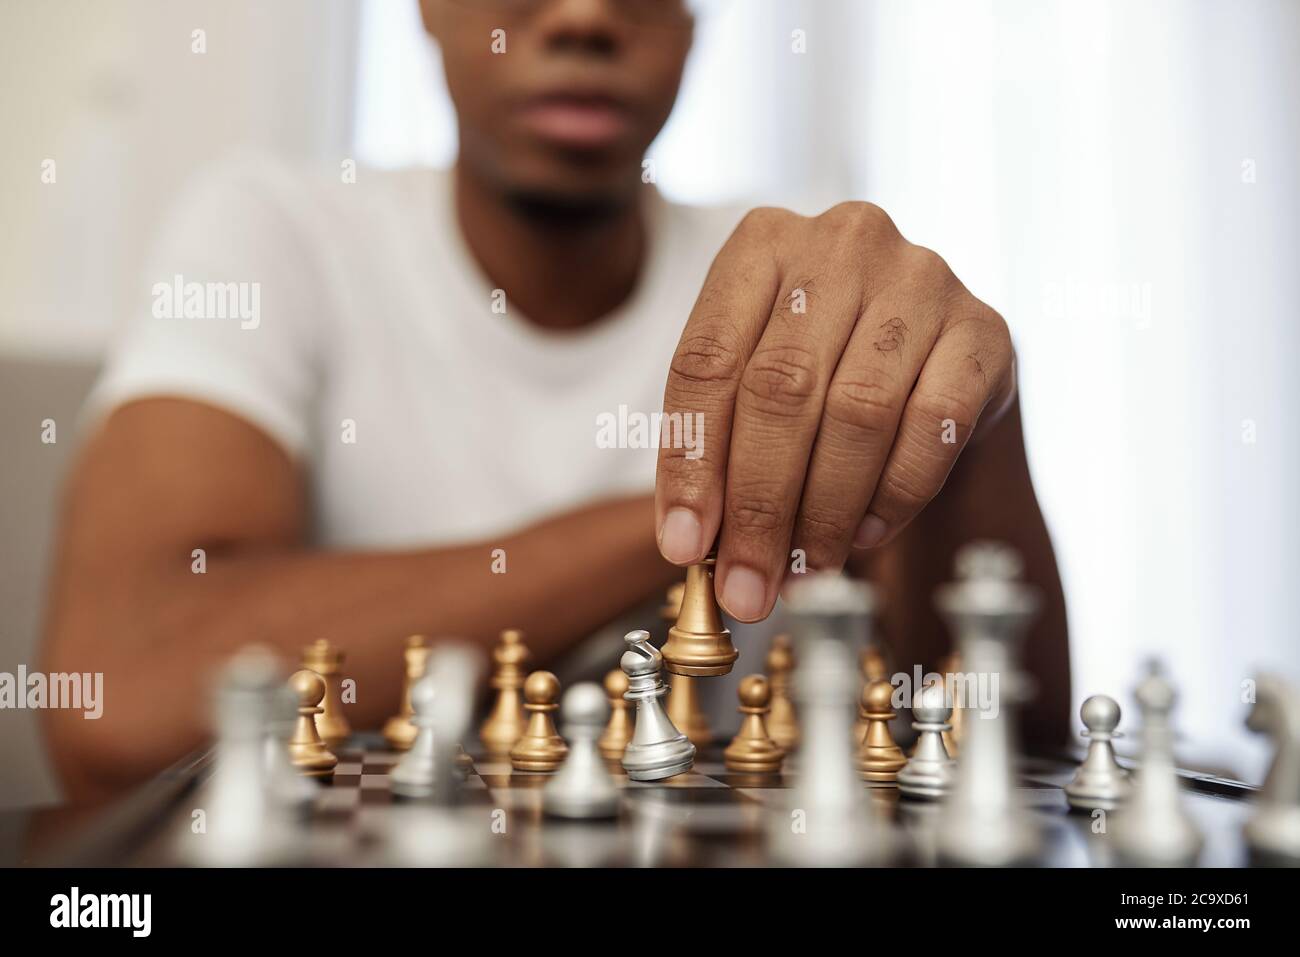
point(576, 122)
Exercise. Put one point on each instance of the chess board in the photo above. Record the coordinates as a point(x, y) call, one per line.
point(709, 816)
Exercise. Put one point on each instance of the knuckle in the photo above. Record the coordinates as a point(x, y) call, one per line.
point(860, 217)
point(864, 406)
point(903, 491)
point(822, 530)
point(927, 264)
point(780, 381)
point(936, 407)
point(754, 515)
point(763, 221)
point(705, 357)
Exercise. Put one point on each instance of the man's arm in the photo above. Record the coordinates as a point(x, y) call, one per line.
point(166, 476)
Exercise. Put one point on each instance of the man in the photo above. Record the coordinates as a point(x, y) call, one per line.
point(412, 411)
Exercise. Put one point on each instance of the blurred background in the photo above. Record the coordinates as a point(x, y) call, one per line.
point(1118, 179)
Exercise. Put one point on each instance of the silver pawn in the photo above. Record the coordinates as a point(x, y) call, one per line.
point(657, 750)
point(1100, 782)
point(930, 772)
point(1153, 828)
point(1273, 833)
point(582, 788)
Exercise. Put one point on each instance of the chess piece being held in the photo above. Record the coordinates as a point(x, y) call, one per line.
point(583, 788)
point(306, 750)
point(683, 706)
point(699, 644)
point(1100, 782)
point(506, 722)
point(751, 750)
point(399, 732)
point(540, 747)
point(657, 749)
point(879, 759)
point(326, 660)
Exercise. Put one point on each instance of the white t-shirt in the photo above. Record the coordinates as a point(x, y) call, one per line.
point(369, 348)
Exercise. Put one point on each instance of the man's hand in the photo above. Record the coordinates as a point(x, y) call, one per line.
point(840, 370)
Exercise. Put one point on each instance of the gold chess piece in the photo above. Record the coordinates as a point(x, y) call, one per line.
point(398, 730)
point(306, 750)
point(699, 645)
point(782, 725)
point(506, 722)
point(751, 750)
point(539, 748)
point(618, 732)
point(879, 758)
point(951, 665)
point(683, 706)
point(872, 663)
point(326, 660)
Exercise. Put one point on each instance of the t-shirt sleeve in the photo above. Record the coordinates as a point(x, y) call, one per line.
point(229, 310)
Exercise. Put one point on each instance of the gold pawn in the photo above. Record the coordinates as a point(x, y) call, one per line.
point(539, 748)
point(879, 758)
point(683, 705)
point(321, 657)
point(306, 750)
point(751, 750)
point(951, 665)
point(872, 663)
point(398, 730)
point(506, 722)
point(782, 723)
point(699, 645)
point(618, 732)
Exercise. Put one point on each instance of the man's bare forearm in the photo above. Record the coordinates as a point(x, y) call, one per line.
point(159, 634)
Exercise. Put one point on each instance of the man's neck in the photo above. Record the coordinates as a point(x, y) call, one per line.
point(561, 269)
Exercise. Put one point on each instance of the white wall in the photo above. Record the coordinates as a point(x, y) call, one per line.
point(113, 94)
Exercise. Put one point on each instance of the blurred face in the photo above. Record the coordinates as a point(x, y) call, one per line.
point(559, 99)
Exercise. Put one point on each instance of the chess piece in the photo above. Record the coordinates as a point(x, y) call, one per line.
point(321, 657)
point(1273, 833)
point(684, 709)
point(828, 820)
point(506, 722)
point(751, 750)
point(872, 663)
point(619, 730)
point(539, 748)
point(399, 732)
point(879, 759)
point(984, 822)
point(583, 788)
point(306, 750)
point(1100, 782)
point(699, 644)
point(240, 801)
point(442, 704)
point(929, 773)
point(782, 725)
point(951, 665)
point(1153, 828)
point(657, 749)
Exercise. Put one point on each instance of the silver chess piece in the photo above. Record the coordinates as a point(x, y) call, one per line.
point(1273, 833)
point(984, 822)
point(930, 772)
point(829, 821)
point(657, 749)
point(1153, 828)
point(583, 788)
point(1100, 782)
point(442, 702)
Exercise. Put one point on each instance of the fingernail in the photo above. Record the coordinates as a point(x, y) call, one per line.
point(870, 533)
point(680, 535)
point(744, 593)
